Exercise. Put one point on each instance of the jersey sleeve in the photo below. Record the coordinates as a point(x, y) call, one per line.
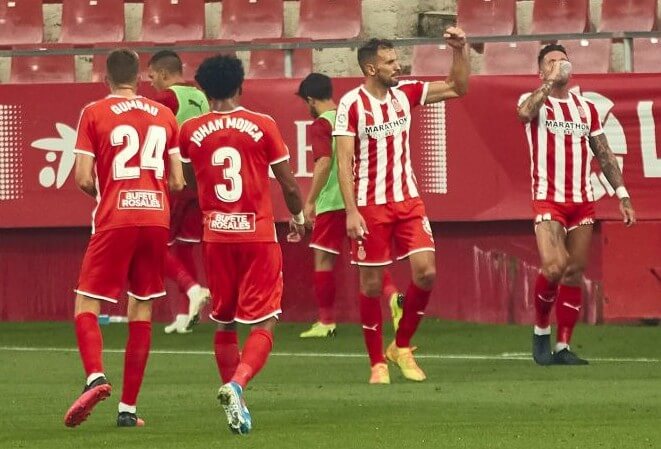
point(595, 121)
point(346, 120)
point(276, 149)
point(184, 142)
point(321, 138)
point(85, 134)
point(169, 99)
point(415, 91)
point(173, 141)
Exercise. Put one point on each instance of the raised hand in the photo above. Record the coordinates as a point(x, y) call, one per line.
point(455, 37)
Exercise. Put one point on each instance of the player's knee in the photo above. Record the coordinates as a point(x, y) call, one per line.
point(573, 274)
point(555, 269)
point(372, 287)
point(425, 278)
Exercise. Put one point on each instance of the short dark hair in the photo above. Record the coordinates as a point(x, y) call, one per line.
point(317, 86)
point(220, 77)
point(167, 60)
point(369, 49)
point(548, 49)
point(122, 66)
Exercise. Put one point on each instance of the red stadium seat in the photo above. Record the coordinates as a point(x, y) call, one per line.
point(429, 60)
point(329, 19)
point(487, 17)
point(589, 56)
point(99, 59)
point(192, 59)
point(170, 21)
point(628, 15)
point(245, 20)
point(21, 22)
point(647, 55)
point(42, 68)
point(92, 21)
point(271, 63)
point(560, 16)
point(510, 58)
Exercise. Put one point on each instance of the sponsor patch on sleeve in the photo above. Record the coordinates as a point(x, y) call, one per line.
point(140, 199)
point(237, 222)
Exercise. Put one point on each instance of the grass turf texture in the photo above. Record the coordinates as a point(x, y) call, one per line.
point(325, 402)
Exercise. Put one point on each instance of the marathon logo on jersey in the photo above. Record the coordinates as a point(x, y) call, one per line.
point(238, 222)
point(140, 199)
point(383, 130)
point(568, 128)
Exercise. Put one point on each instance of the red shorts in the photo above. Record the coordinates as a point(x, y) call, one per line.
point(245, 280)
point(405, 223)
point(115, 256)
point(330, 231)
point(569, 215)
point(185, 220)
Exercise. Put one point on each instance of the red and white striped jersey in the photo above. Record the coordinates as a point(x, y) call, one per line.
point(560, 152)
point(382, 154)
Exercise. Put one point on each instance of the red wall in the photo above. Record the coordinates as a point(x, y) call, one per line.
point(485, 274)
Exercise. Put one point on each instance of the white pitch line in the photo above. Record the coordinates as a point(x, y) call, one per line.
point(494, 357)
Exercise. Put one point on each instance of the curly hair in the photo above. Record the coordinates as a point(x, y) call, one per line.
point(220, 77)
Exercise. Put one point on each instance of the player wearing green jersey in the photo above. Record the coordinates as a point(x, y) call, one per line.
point(186, 101)
point(324, 207)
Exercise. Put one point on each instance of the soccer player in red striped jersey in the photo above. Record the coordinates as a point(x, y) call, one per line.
point(564, 131)
point(127, 156)
point(381, 197)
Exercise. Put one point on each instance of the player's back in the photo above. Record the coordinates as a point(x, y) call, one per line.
point(231, 153)
point(128, 139)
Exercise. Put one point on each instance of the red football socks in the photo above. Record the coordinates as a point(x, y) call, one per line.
point(567, 311)
point(176, 270)
point(372, 321)
point(90, 342)
point(253, 356)
point(135, 359)
point(414, 309)
point(545, 295)
point(226, 348)
point(324, 292)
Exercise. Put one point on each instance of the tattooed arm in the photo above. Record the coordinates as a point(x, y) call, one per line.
point(612, 172)
point(530, 107)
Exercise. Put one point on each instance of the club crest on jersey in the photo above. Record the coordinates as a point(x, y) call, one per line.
point(238, 222)
point(396, 105)
point(140, 199)
point(361, 253)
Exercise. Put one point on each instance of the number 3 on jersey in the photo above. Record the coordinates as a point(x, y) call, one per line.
point(151, 155)
point(230, 159)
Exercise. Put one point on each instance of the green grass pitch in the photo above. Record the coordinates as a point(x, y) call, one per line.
point(483, 392)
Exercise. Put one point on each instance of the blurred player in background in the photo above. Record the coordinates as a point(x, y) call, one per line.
point(381, 194)
point(231, 150)
point(186, 101)
point(127, 156)
point(562, 127)
point(324, 208)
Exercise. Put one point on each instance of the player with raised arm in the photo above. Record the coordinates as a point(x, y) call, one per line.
point(562, 127)
point(127, 156)
point(324, 208)
point(186, 101)
point(380, 192)
point(231, 149)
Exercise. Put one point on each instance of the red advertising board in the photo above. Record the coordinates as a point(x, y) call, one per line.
point(470, 155)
